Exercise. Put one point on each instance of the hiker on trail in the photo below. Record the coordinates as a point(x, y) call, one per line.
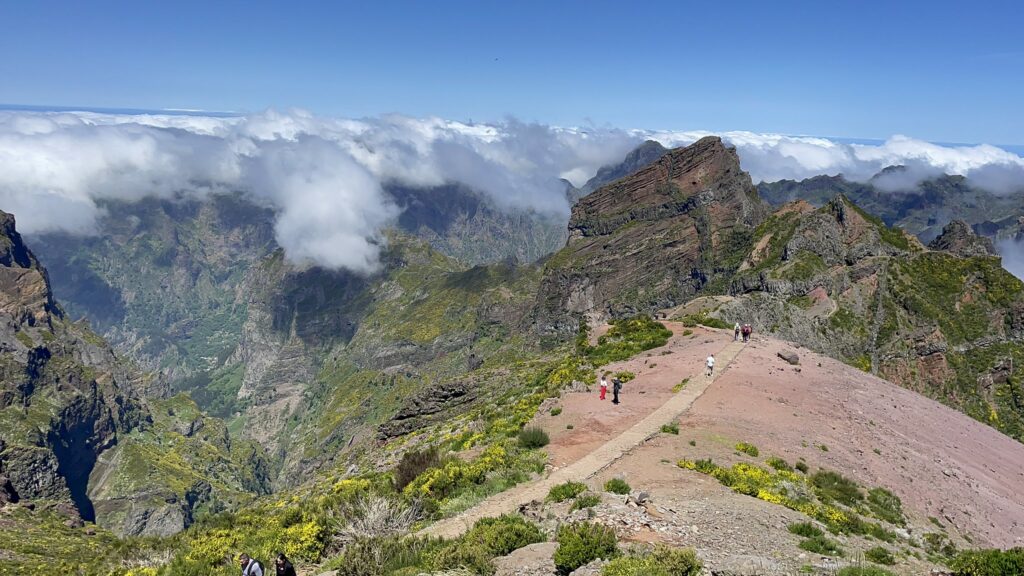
point(616, 388)
point(736, 332)
point(711, 365)
point(746, 332)
point(283, 566)
point(604, 385)
point(250, 567)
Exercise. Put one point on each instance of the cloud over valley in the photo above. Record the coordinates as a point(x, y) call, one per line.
point(327, 177)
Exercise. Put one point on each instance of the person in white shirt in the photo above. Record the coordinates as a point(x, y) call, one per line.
point(250, 567)
point(711, 364)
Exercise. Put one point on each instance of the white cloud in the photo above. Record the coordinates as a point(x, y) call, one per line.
point(1012, 252)
point(326, 176)
point(771, 157)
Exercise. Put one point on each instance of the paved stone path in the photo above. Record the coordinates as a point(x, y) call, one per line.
point(510, 500)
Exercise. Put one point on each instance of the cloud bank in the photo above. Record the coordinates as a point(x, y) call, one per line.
point(326, 177)
point(1012, 252)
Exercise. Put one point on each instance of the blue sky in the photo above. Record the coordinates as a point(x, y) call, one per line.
point(939, 71)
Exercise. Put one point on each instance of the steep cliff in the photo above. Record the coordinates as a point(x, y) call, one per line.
point(653, 239)
point(76, 432)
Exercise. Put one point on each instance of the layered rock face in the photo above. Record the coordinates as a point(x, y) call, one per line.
point(653, 239)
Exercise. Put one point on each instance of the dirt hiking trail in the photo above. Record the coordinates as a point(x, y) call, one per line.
point(565, 447)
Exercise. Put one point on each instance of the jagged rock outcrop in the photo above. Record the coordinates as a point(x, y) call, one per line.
point(653, 239)
point(958, 238)
point(421, 410)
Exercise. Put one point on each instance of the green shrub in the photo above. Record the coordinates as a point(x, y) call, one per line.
point(569, 426)
point(472, 556)
point(988, 562)
point(863, 571)
point(704, 319)
point(375, 556)
point(616, 486)
point(625, 339)
point(504, 534)
point(748, 449)
point(626, 375)
point(805, 529)
point(821, 545)
point(779, 464)
point(585, 501)
point(487, 539)
point(677, 561)
point(693, 442)
point(885, 505)
point(414, 463)
point(533, 437)
point(682, 384)
point(556, 411)
point(802, 467)
point(565, 491)
point(670, 428)
point(581, 543)
point(833, 486)
point(633, 566)
point(880, 555)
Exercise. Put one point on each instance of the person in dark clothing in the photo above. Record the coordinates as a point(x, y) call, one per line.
point(616, 388)
point(284, 566)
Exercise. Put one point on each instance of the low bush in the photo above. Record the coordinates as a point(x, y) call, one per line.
point(616, 486)
point(581, 543)
point(821, 545)
point(565, 491)
point(556, 411)
point(834, 487)
point(487, 539)
point(885, 505)
point(802, 467)
point(677, 561)
point(779, 464)
point(748, 449)
point(533, 437)
point(988, 562)
point(879, 555)
point(682, 384)
point(414, 463)
point(662, 561)
point(585, 501)
point(670, 428)
point(805, 529)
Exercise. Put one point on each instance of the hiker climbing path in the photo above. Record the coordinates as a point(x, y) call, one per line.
point(597, 460)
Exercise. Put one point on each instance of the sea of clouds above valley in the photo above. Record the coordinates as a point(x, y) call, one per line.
point(326, 176)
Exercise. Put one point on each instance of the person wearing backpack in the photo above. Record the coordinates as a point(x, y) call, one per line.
point(250, 567)
point(616, 388)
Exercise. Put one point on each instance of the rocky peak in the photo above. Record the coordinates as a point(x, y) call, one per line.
point(703, 174)
point(652, 239)
point(959, 238)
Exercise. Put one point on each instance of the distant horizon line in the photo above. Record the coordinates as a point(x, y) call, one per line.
point(1012, 148)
